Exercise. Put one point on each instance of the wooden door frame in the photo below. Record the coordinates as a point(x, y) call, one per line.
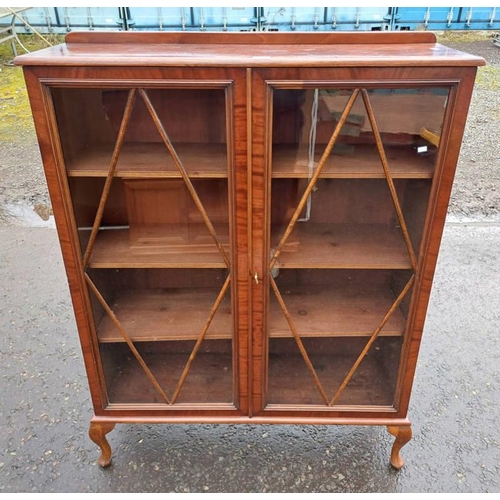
point(232, 80)
point(460, 81)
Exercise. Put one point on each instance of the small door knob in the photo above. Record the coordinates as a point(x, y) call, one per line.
point(256, 277)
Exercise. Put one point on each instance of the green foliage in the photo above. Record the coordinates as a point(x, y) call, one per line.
point(15, 114)
point(488, 77)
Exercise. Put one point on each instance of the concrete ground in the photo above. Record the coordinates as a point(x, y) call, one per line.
point(45, 406)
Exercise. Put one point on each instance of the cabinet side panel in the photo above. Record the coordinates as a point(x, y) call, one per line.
point(451, 141)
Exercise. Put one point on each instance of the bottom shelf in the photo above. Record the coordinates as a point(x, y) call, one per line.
point(374, 383)
point(209, 379)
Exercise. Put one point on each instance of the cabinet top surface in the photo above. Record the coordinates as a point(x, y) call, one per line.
point(250, 50)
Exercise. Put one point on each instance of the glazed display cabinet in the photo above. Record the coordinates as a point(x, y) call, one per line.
point(250, 222)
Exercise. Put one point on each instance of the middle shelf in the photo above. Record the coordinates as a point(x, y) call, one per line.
point(404, 162)
point(117, 248)
point(151, 160)
point(322, 246)
point(210, 161)
point(346, 246)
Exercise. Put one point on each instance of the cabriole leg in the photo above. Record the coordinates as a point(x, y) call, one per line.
point(403, 435)
point(97, 433)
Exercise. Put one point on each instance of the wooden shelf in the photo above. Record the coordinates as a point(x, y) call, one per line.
point(113, 250)
point(152, 160)
point(315, 246)
point(317, 311)
point(348, 311)
point(346, 246)
point(167, 314)
point(404, 163)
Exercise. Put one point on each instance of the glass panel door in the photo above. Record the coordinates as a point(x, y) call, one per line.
point(351, 174)
point(149, 179)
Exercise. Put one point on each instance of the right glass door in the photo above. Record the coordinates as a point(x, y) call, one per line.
point(351, 176)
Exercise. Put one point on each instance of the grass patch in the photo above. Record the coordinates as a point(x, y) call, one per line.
point(463, 36)
point(15, 113)
point(31, 42)
point(488, 77)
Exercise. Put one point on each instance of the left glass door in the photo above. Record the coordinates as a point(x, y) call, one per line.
point(149, 178)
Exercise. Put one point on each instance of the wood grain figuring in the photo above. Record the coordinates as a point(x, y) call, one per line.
point(262, 50)
point(245, 202)
point(145, 160)
point(259, 222)
point(346, 246)
point(46, 129)
point(249, 38)
point(404, 162)
point(451, 139)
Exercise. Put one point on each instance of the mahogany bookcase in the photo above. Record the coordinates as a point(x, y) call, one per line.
point(250, 222)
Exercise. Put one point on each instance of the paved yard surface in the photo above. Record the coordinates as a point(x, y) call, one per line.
point(45, 406)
